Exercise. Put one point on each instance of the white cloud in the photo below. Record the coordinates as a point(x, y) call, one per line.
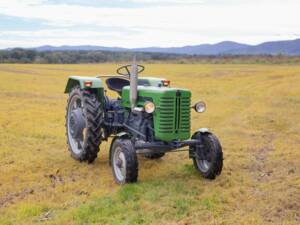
point(177, 24)
point(185, 2)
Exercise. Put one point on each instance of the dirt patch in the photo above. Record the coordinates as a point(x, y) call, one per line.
point(29, 95)
point(276, 77)
point(44, 217)
point(287, 208)
point(57, 69)
point(55, 178)
point(10, 70)
point(11, 197)
point(261, 173)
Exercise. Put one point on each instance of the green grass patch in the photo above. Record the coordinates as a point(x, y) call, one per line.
point(5, 222)
point(29, 210)
point(171, 200)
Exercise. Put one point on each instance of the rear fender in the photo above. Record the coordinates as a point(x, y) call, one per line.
point(95, 84)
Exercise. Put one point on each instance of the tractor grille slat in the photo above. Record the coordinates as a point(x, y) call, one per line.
point(174, 114)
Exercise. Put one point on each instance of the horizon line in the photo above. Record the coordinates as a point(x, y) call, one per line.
point(206, 43)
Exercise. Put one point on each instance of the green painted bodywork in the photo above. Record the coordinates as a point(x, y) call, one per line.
point(97, 82)
point(150, 81)
point(172, 113)
point(171, 116)
point(78, 80)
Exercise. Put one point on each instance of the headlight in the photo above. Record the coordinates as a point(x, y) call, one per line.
point(200, 107)
point(149, 107)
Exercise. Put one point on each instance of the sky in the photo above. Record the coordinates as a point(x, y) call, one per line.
point(145, 23)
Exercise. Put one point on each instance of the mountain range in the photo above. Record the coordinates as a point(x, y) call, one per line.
point(289, 47)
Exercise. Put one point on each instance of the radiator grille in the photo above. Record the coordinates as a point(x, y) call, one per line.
point(174, 114)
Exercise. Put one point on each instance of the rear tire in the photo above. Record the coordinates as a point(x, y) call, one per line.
point(154, 155)
point(124, 161)
point(208, 160)
point(83, 106)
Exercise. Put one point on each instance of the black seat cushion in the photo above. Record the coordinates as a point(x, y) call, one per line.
point(117, 84)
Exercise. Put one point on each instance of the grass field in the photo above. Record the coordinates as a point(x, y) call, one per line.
point(253, 109)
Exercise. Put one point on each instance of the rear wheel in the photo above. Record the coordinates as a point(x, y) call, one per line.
point(83, 124)
point(124, 161)
point(208, 159)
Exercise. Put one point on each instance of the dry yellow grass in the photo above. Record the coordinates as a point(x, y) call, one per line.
point(254, 109)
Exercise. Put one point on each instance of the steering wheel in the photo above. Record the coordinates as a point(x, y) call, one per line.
point(127, 69)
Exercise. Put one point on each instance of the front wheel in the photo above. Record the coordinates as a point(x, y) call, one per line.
point(207, 157)
point(124, 161)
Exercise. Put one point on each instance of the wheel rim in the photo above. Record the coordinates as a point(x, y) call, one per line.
point(204, 163)
point(76, 125)
point(119, 164)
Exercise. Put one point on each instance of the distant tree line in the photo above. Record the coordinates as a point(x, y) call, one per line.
point(19, 55)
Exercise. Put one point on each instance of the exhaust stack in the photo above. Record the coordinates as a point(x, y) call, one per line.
point(133, 84)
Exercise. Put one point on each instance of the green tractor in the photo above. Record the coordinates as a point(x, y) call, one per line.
point(149, 117)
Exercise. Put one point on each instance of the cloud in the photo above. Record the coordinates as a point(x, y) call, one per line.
point(165, 23)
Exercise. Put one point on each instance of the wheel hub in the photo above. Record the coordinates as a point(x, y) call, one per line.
point(119, 163)
point(203, 157)
point(77, 123)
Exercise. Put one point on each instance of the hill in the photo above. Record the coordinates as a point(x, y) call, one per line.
point(204, 49)
point(271, 48)
point(289, 47)
point(49, 48)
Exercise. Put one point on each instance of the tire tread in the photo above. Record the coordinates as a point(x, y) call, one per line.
point(94, 119)
point(217, 163)
point(131, 160)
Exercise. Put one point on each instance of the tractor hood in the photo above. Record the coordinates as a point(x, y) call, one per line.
point(172, 110)
point(150, 81)
point(152, 93)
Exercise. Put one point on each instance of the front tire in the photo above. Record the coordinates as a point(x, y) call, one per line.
point(208, 160)
point(84, 118)
point(124, 161)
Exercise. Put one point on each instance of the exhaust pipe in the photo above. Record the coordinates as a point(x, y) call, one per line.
point(133, 84)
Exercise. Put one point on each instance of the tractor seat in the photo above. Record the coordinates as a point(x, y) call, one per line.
point(117, 84)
